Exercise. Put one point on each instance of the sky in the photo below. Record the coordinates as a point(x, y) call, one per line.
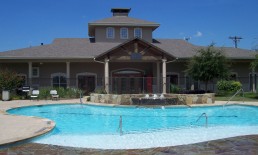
point(25, 23)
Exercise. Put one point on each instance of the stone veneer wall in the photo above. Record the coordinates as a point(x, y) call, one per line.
point(125, 99)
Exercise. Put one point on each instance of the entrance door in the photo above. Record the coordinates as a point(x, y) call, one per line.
point(127, 82)
point(86, 83)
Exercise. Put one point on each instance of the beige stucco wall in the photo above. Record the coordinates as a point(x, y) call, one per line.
point(150, 68)
point(100, 34)
point(20, 68)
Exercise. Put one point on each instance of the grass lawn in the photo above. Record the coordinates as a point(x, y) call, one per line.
point(247, 97)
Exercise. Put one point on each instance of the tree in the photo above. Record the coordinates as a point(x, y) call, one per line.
point(254, 64)
point(9, 80)
point(209, 63)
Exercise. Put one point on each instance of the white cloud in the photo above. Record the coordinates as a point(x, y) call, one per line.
point(198, 34)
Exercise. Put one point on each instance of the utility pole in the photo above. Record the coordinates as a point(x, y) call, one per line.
point(236, 39)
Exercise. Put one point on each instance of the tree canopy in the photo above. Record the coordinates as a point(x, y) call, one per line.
point(207, 64)
point(9, 80)
point(254, 64)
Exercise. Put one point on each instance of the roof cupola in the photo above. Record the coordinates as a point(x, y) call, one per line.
point(120, 11)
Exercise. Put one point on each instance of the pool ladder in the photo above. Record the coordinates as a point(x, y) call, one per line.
point(120, 127)
point(81, 98)
point(206, 119)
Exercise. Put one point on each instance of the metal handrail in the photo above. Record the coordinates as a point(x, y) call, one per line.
point(120, 127)
point(81, 98)
point(206, 119)
point(234, 96)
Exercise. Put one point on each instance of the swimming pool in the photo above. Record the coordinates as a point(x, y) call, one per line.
point(101, 126)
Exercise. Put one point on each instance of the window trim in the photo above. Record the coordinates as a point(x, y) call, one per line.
point(107, 31)
point(135, 32)
point(35, 76)
point(127, 34)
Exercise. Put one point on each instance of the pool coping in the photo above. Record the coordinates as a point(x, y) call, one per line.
point(16, 128)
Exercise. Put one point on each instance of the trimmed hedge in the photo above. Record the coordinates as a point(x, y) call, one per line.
point(226, 87)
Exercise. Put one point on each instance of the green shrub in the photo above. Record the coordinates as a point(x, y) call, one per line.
point(14, 96)
point(174, 89)
point(100, 91)
point(62, 92)
point(228, 87)
point(9, 80)
point(45, 93)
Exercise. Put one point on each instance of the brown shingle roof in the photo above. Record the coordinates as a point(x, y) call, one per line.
point(182, 49)
point(83, 48)
point(60, 48)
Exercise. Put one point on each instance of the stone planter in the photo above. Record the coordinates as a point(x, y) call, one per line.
point(126, 99)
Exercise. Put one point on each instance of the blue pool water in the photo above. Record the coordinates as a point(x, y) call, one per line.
point(89, 121)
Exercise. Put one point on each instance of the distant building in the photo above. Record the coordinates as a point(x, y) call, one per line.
point(120, 56)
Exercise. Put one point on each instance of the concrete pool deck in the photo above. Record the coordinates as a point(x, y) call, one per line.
point(15, 128)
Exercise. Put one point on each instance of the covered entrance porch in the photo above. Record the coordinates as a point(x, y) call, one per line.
point(134, 67)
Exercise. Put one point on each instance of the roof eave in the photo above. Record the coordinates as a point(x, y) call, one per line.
point(36, 58)
point(230, 58)
point(124, 24)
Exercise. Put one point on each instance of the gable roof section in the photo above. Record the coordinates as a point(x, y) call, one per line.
point(120, 21)
point(110, 51)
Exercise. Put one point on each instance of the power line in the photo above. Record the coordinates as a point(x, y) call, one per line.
point(236, 39)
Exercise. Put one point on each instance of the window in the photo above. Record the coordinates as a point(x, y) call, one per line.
point(191, 84)
point(35, 71)
point(172, 79)
point(59, 80)
point(110, 33)
point(251, 80)
point(124, 33)
point(138, 32)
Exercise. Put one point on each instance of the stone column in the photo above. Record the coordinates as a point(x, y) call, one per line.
point(158, 77)
point(30, 73)
point(68, 74)
point(107, 75)
point(164, 75)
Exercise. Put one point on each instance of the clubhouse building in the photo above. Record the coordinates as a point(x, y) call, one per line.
point(120, 56)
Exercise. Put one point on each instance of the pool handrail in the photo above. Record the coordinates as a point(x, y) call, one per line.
point(81, 98)
point(206, 119)
point(120, 127)
point(234, 96)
